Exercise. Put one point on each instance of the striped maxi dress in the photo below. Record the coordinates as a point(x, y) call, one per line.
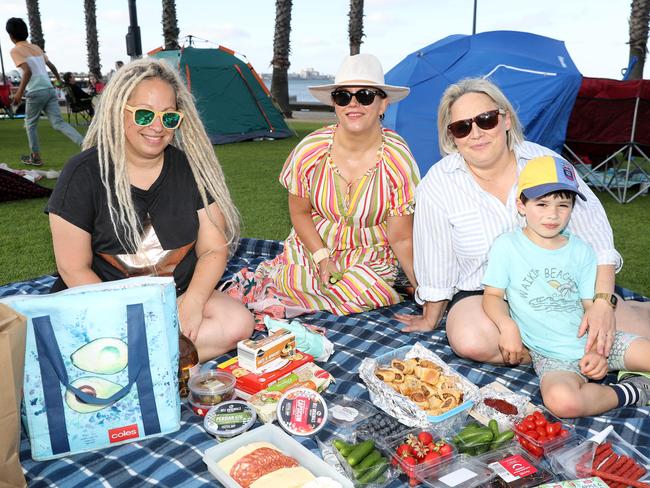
point(352, 222)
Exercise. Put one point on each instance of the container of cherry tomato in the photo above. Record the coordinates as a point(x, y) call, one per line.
point(418, 449)
point(542, 431)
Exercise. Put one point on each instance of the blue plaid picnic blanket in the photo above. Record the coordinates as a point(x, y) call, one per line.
point(176, 460)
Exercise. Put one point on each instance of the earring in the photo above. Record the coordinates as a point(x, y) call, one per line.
point(381, 116)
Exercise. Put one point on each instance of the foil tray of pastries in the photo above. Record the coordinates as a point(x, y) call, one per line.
point(433, 390)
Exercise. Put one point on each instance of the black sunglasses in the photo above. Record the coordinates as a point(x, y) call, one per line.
point(485, 121)
point(365, 96)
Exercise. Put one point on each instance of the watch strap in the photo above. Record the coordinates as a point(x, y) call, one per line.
point(608, 297)
point(322, 253)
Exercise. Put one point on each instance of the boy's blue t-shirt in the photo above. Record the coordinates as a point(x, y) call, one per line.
point(544, 289)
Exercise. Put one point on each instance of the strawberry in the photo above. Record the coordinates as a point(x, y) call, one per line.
point(408, 465)
point(445, 450)
point(404, 450)
point(431, 456)
point(425, 438)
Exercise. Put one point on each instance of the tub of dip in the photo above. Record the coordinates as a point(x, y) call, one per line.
point(302, 411)
point(210, 388)
point(229, 419)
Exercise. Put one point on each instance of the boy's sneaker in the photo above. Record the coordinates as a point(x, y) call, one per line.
point(642, 384)
point(31, 161)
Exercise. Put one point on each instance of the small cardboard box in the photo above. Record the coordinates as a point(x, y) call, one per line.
point(265, 354)
point(248, 383)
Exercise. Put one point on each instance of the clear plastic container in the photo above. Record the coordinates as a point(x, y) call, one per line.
point(346, 412)
point(576, 458)
point(461, 472)
point(515, 468)
point(533, 441)
point(211, 388)
point(423, 445)
point(474, 439)
point(380, 426)
point(378, 475)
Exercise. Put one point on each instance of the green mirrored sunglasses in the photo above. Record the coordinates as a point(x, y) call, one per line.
point(143, 117)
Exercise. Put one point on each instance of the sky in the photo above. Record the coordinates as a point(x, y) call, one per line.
point(595, 31)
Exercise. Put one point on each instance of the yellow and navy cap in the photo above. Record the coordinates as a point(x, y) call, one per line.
point(547, 174)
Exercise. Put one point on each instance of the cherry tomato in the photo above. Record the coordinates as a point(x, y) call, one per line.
point(535, 451)
point(425, 438)
point(541, 431)
point(533, 434)
point(563, 433)
point(538, 415)
point(540, 422)
point(552, 430)
point(542, 439)
point(524, 443)
point(528, 425)
point(530, 418)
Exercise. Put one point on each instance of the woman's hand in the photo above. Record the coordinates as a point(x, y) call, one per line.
point(190, 316)
point(593, 365)
point(600, 323)
point(326, 268)
point(510, 345)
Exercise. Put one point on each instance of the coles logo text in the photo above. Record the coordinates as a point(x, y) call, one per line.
point(123, 433)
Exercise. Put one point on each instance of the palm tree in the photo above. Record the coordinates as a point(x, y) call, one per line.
point(170, 24)
point(92, 40)
point(34, 17)
point(639, 23)
point(355, 27)
point(281, 50)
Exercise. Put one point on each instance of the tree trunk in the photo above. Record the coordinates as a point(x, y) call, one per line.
point(355, 27)
point(170, 24)
point(639, 23)
point(281, 50)
point(92, 39)
point(35, 30)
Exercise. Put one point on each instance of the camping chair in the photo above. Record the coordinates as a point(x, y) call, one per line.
point(5, 102)
point(76, 106)
point(610, 123)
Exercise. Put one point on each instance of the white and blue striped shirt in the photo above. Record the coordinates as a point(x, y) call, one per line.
point(456, 222)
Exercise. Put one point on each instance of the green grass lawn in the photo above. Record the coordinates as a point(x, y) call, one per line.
point(251, 170)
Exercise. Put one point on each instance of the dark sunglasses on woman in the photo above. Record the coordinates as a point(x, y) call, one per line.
point(365, 96)
point(485, 121)
point(143, 117)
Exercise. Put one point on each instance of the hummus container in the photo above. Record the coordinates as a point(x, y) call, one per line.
point(302, 411)
point(211, 388)
point(229, 419)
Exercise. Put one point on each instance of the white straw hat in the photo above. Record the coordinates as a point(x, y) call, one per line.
point(359, 70)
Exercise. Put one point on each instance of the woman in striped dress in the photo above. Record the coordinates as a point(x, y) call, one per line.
point(351, 200)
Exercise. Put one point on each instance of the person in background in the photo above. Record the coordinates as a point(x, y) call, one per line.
point(95, 85)
point(76, 94)
point(351, 201)
point(147, 196)
point(39, 93)
point(548, 276)
point(467, 200)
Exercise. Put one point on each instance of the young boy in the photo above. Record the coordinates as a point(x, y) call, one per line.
point(39, 93)
point(548, 277)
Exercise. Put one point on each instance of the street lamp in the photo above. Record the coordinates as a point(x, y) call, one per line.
point(133, 41)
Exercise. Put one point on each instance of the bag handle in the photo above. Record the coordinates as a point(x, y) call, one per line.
point(49, 348)
point(53, 374)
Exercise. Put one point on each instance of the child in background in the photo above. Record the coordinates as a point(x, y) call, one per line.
point(548, 277)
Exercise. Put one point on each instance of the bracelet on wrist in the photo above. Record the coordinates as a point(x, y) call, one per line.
point(320, 255)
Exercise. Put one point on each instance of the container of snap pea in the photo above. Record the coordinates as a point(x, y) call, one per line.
point(474, 439)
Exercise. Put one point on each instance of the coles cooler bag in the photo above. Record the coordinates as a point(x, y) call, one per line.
point(101, 365)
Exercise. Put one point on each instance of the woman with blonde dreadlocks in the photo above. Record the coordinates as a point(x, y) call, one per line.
point(147, 197)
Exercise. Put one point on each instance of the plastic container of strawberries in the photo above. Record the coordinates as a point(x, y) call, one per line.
point(541, 432)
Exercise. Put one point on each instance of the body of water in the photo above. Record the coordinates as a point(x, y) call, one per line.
point(298, 88)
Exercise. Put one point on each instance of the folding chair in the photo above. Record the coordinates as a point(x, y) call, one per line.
point(610, 123)
point(77, 107)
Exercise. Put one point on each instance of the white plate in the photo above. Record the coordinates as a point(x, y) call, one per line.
point(285, 443)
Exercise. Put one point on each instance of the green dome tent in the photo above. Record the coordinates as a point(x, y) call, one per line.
point(231, 98)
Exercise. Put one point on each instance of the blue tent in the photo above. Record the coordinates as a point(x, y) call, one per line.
point(536, 73)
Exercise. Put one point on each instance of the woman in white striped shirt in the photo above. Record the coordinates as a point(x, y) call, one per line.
point(467, 199)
